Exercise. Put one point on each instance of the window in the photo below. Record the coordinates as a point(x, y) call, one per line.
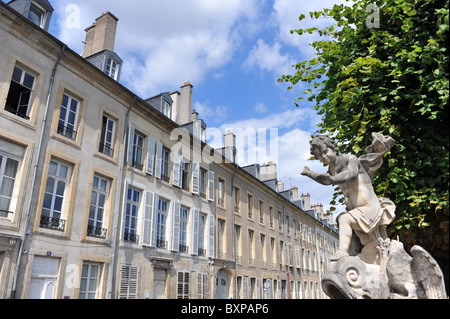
point(165, 165)
point(107, 136)
point(280, 221)
point(261, 212)
point(221, 192)
point(137, 144)
point(271, 216)
point(89, 283)
point(281, 253)
point(263, 251)
point(36, 15)
point(185, 176)
point(129, 276)
point(238, 287)
point(112, 68)
point(201, 235)
point(272, 248)
point(8, 171)
point(237, 200)
point(183, 285)
point(237, 236)
point(131, 215)
point(202, 286)
point(52, 215)
point(161, 221)
point(203, 177)
point(18, 101)
point(184, 218)
point(221, 239)
point(167, 109)
point(97, 207)
point(287, 225)
point(251, 247)
point(68, 117)
point(250, 206)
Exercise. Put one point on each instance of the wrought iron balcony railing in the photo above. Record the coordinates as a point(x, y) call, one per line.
point(52, 223)
point(67, 132)
point(130, 238)
point(98, 232)
point(106, 150)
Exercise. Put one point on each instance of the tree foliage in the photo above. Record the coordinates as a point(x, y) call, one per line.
point(391, 79)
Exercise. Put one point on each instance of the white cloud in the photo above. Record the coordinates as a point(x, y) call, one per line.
point(165, 43)
point(268, 58)
point(260, 108)
point(286, 14)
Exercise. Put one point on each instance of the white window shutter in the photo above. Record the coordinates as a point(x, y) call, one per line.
point(130, 144)
point(175, 242)
point(153, 223)
point(244, 287)
point(129, 276)
point(124, 209)
point(297, 256)
point(148, 219)
point(199, 285)
point(158, 165)
point(210, 186)
point(150, 155)
point(211, 236)
point(176, 180)
point(279, 289)
point(258, 288)
point(196, 178)
point(195, 226)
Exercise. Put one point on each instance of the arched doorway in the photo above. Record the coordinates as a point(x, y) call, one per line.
point(222, 284)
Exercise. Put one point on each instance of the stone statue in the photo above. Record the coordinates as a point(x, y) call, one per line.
point(367, 263)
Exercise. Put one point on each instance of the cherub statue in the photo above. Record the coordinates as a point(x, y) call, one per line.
point(381, 268)
point(367, 215)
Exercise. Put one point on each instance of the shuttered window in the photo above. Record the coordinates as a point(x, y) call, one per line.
point(202, 286)
point(128, 282)
point(183, 285)
point(196, 178)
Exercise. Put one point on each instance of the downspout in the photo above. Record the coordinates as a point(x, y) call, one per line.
point(36, 165)
point(119, 204)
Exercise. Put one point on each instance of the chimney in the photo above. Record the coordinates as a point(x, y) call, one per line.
point(294, 190)
point(307, 199)
point(268, 171)
point(229, 146)
point(185, 110)
point(101, 34)
point(280, 186)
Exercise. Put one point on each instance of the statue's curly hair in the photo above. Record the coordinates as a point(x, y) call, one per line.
point(326, 140)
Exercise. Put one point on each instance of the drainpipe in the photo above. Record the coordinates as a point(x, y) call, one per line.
point(119, 204)
point(36, 165)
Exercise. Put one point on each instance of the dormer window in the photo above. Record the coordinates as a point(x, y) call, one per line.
point(167, 109)
point(112, 68)
point(37, 11)
point(37, 15)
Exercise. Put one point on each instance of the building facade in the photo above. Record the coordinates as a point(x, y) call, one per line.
point(108, 195)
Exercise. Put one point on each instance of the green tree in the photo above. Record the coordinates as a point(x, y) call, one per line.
point(392, 78)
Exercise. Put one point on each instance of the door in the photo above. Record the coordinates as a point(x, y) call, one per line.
point(43, 278)
point(222, 285)
point(159, 284)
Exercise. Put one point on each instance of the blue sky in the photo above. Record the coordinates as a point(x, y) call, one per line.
point(231, 51)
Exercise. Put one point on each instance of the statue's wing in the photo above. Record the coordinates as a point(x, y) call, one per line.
point(373, 155)
point(428, 273)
